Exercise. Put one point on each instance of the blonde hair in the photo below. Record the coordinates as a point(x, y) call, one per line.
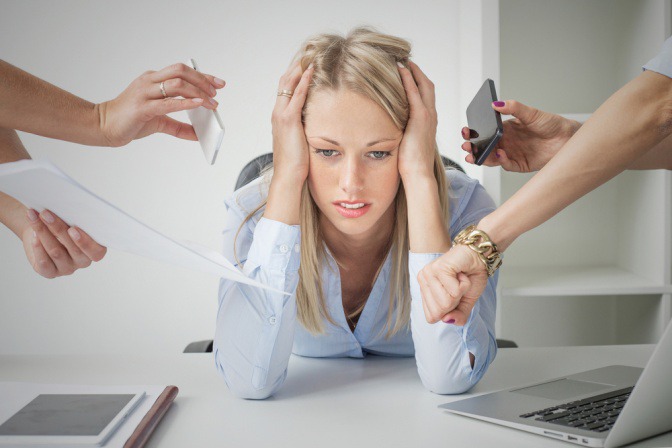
point(365, 62)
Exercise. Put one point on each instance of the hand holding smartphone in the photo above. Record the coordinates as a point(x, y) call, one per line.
point(485, 123)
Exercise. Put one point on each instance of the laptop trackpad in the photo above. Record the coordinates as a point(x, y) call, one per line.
point(562, 389)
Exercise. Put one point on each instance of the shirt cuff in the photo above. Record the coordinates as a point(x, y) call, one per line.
point(276, 246)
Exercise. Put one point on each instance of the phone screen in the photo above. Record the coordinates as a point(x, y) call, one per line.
point(485, 123)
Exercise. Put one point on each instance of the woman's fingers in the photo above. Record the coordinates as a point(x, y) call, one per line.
point(156, 108)
point(170, 126)
point(41, 261)
point(425, 86)
point(412, 92)
point(93, 250)
point(186, 73)
point(300, 92)
point(179, 87)
point(55, 250)
point(59, 229)
point(288, 83)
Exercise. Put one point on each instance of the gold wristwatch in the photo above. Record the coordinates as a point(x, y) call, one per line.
point(479, 242)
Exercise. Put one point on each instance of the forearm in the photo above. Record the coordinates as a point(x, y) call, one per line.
point(30, 104)
point(635, 119)
point(427, 228)
point(452, 359)
point(284, 199)
point(255, 328)
point(12, 212)
point(658, 157)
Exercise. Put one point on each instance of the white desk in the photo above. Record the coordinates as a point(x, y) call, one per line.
point(343, 403)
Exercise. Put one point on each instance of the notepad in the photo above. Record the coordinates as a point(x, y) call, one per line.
point(40, 185)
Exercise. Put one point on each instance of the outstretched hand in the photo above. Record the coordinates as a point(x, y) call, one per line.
point(142, 108)
point(55, 249)
point(529, 140)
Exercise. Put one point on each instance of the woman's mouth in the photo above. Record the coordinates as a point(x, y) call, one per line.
point(352, 209)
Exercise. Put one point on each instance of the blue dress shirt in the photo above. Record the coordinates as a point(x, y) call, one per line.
point(258, 330)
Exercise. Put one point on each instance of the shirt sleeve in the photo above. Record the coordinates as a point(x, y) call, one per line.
point(662, 63)
point(255, 328)
point(442, 350)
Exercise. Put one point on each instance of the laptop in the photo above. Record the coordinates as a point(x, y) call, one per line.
point(606, 407)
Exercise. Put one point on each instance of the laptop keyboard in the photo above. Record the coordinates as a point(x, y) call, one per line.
point(598, 413)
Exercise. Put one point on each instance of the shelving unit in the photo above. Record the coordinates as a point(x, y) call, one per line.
point(600, 272)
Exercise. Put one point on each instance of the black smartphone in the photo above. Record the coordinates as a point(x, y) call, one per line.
point(485, 123)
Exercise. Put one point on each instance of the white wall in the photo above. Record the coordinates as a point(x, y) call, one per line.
point(94, 49)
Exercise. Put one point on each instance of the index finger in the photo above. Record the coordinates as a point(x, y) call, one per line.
point(187, 73)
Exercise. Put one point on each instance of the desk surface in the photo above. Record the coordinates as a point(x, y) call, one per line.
point(325, 402)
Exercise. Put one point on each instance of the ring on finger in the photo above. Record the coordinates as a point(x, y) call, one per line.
point(163, 90)
point(287, 93)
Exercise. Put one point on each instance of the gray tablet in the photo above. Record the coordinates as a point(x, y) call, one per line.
point(68, 419)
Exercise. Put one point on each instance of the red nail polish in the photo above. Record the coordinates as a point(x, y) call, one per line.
point(450, 321)
point(499, 103)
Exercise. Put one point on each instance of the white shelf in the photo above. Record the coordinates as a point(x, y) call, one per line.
point(575, 281)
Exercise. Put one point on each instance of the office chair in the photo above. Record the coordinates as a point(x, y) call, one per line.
point(250, 172)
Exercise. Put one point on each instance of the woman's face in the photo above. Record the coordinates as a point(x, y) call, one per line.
point(353, 174)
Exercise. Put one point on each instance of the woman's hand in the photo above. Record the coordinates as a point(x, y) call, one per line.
point(530, 139)
point(418, 145)
point(141, 109)
point(290, 147)
point(55, 249)
point(451, 285)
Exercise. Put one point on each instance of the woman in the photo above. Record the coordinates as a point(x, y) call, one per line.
point(357, 183)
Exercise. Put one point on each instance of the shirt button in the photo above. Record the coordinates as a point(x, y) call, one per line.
point(297, 248)
point(272, 320)
point(284, 248)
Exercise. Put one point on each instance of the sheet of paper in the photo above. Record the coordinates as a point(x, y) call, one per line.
point(40, 185)
point(16, 395)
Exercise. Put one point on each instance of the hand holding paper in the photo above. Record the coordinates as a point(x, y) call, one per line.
point(40, 185)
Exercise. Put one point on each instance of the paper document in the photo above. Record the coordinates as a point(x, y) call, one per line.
point(40, 185)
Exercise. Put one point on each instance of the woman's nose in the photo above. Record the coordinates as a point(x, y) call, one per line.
point(352, 176)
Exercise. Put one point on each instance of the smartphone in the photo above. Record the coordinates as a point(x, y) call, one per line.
point(485, 123)
point(208, 126)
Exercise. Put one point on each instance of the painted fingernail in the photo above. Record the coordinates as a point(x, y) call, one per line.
point(497, 154)
point(219, 82)
point(48, 217)
point(499, 103)
point(400, 64)
point(74, 234)
point(197, 100)
point(213, 102)
point(32, 216)
point(450, 321)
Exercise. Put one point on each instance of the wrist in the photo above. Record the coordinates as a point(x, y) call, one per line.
point(485, 250)
point(284, 200)
point(499, 232)
point(99, 114)
point(13, 214)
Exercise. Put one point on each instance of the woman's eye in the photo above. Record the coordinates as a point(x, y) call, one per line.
point(326, 152)
point(379, 155)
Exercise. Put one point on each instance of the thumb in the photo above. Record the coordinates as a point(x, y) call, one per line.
point(176, 128)
point(460, 315)
point(524, 113)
